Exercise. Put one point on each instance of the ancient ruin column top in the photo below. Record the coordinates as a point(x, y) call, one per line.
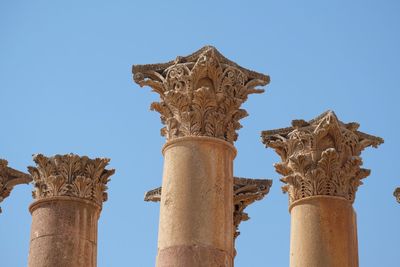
point(70, 176)
point(9, 178)
point(200, 94)
point(320, 157)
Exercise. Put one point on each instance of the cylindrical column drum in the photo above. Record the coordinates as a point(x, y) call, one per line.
point(323, 233)
point(63, 232)
point(196, 204)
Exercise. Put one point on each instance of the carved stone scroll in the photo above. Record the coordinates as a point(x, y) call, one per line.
point(70, 175)
point(9, 178)
point(153, 195)
point(320, 157)
point(200, 94)
point(246, 191)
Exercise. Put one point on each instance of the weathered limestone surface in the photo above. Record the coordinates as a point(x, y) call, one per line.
point(69, 192)
point(200, 99)
point(196, 206)
point(321, 167)
point(323, 233)
point(9, 178)
point(245, 192)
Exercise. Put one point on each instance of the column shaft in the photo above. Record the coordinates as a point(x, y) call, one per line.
point(323, 233)
point(196, 205)
point(63, 233)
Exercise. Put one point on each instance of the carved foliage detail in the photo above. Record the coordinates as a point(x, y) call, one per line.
point(320, 157)
point(70, 175)
point(200, 97)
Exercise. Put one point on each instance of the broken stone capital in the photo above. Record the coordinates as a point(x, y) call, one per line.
point(9, 178)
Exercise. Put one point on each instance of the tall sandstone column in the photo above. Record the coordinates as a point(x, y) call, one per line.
point(321, 167)
point(9, 178)
point(201, 95)
point(69, 192)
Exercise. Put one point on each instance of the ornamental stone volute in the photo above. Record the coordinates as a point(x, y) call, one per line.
point(320, 157)
point(200, 94)
point(9, 178)
point(70, 175)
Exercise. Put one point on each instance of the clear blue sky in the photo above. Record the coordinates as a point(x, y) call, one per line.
point(66, 86)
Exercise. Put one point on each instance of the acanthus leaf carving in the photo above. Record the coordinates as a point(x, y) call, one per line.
point(320, 157)
point(70, 175)
point(201, 94)
point(81, 187)
point(56, 185)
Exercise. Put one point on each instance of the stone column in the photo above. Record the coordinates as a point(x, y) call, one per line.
point(201, 95)
point(69, 192)
point(321, 167)
point(9, 178)
point(245, 192)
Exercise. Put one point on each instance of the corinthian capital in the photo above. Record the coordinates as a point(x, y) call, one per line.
point(10, 178)
point(201, 94)
point(70, 175)
point(320, 157)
